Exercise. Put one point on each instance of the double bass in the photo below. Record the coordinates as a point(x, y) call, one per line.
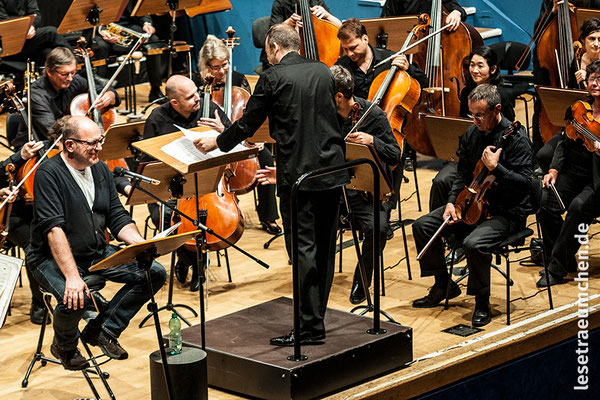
point(223, 214)
point(556, 54)
point(318, 38)
point(441, 58)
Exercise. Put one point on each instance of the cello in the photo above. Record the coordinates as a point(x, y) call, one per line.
point(441, 59)
point(318, 38)
point(556, 54)
point(223, 214)
point(233, 100)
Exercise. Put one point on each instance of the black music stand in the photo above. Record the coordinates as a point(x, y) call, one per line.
point(581, 14)
point(145, 7)
point(390, 33)
point(119, 140)
point(12, 34)
point(186, 172)
point(145, 253)
point(83, 14)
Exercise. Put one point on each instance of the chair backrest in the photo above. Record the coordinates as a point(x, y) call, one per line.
point(12, 126)
point(260, 27)
point(509, 53)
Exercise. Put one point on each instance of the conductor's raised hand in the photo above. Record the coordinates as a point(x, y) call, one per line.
point(206, 144)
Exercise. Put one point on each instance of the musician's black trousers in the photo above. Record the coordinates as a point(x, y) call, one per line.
point(441, 185)
point(477, 242)
point(362, 210)
point(317, 227)
point(560, 242)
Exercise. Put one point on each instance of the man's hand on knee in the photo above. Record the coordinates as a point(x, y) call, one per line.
point(75, 288)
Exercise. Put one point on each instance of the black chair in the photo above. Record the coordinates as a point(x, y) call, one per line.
point(260, 26)
point(94, 283)
point(513, 244)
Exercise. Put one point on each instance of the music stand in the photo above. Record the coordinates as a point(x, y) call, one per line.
point(12, 34)
point(556, 101)
point(119, 138)
point(581, 14)
point(83, 13)
point(153, 146)
point(146, 7)
point(209, 6)
point(390, 33)
point(444, 134)
point(145, 253)
point(361, 179)
point(262, 134)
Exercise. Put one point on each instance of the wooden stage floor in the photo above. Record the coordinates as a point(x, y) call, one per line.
point(441, 357)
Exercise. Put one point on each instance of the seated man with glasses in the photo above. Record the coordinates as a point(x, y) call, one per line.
point(508, 208)
point(75, 201)
point(52, 94)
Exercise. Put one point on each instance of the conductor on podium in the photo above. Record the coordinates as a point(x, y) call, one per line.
point(75, 201)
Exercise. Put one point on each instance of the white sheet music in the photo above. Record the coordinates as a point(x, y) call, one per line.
point(183, 149)
point(9, 272)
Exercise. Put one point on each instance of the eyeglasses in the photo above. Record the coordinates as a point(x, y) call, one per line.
point(215, 68)
point(65, 74)
point(479, 117)
point(92, 144)
point(594, 80)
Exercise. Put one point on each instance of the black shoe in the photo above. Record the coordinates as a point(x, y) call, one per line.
point(100, 301)
point(271, 227)
point(552, 280)
point(436, 295)
point(306, 337)
point(181, 272)
point(482, 314)
point(71, 360)
point(36, 315)
point(154, 94)
point(459, 255)
point(357, 294)
point(389, 232)
point(110, 346)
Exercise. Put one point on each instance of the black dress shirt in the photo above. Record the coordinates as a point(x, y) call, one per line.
point(48, 105)
point(298, 97)
point(19, 8)
point(377, 125)
point(394, 8)
point(513, 173)
point(362, 80)
point(162, 118)
point(60, 202)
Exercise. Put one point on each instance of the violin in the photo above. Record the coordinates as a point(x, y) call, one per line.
point(583, 126)
point(440, 57)
point(556, 54)
point(318, 38)
point(233, 100)
point(472, 204)
point(6, 210)
point(224, 216)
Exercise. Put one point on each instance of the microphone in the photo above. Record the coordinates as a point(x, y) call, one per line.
point(120, 171)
